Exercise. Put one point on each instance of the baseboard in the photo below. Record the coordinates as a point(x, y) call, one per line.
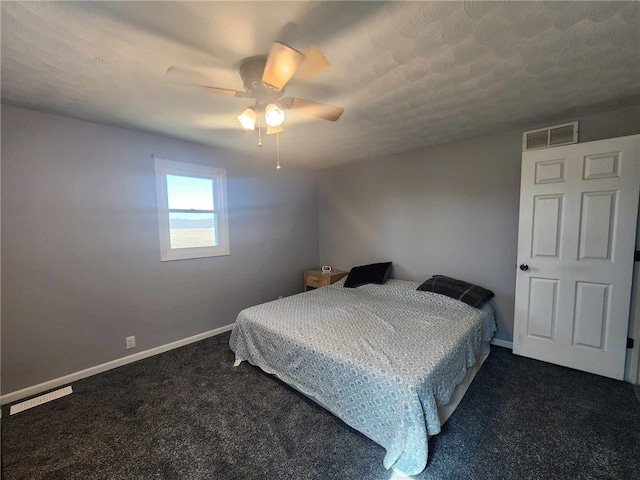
point(502, 343)
point(72, 377)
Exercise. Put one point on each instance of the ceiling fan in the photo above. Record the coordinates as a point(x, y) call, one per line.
point(264, 78)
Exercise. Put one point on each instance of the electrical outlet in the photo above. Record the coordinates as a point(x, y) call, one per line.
point(131, 342)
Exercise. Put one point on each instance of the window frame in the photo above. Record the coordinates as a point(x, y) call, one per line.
point(219, 178)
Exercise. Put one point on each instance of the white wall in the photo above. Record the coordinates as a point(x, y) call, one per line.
point(81, 264)
point(451, 209)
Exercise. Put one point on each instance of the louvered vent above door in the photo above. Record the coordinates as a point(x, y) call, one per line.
point(564, 134)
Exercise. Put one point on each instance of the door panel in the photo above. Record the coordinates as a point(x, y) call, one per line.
point(604, 165)
point(591, 314)
point(547, 221)
point(597, 225)
point(550, 171)
point(542, 307)
point(578, 211)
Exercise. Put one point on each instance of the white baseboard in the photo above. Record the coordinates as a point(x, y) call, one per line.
point(502, 343)
point(72, 377)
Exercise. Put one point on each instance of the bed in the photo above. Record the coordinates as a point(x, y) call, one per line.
point(386, 359)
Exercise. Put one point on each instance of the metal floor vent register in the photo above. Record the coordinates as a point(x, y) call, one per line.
point(564, 134)
point(36, 401)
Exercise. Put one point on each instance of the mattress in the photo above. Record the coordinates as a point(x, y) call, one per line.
point(382, 358)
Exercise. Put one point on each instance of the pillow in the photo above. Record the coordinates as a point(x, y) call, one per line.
point(460, 290)
point(374, 273)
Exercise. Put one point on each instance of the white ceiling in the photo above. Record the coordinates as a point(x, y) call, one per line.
point(409, 74)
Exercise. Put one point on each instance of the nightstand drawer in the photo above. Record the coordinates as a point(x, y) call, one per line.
point(318, 278)
point(315, 281)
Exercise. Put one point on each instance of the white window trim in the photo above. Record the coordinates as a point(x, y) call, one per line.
point(219, 177)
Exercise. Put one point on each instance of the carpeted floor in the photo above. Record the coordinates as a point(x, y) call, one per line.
point(188, 414)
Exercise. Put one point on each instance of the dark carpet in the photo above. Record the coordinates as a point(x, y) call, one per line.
point(188, 414)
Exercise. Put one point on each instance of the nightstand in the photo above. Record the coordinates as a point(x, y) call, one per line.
point(318, 278)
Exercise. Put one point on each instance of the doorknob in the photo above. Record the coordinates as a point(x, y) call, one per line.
point(524, 267)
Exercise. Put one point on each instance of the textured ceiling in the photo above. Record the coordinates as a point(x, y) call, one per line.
point(409, 74)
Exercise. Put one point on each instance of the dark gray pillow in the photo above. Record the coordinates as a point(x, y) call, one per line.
point(460, 290)
point(373, 273)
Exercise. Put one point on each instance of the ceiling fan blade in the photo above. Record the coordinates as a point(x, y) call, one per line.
point(315, 109)
point(281, 65)
point(225, 91)
point(314, 62)
point(178, 72)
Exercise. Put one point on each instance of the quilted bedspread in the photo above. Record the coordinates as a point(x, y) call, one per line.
point(380, 357)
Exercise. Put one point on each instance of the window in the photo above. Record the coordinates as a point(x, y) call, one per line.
point(192, 210)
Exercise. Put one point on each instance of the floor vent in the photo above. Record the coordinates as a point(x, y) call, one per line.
point(564, 134)
point(36, 401)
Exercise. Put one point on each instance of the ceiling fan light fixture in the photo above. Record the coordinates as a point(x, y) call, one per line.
point(272, 130)
point(281, 65)
point(273, 115)
point(248, 119)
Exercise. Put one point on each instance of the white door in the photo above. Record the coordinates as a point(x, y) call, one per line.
point(576, 242)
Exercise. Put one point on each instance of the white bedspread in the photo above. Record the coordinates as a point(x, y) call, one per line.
point(380, 357)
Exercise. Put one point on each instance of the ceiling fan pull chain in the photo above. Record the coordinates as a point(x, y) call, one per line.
point(259, 132)
point(278, 167)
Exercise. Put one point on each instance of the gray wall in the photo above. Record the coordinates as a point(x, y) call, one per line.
point(80, 256)
point(449, 210)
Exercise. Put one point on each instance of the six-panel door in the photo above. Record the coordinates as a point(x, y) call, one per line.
point(578, 211)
